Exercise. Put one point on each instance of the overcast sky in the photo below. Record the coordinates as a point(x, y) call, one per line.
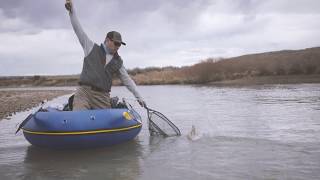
point(36, 37)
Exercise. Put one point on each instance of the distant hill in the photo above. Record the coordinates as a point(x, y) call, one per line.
point(287, 64)
point(291, 63)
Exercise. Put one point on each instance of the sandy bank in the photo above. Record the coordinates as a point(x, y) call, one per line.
point(15, 101)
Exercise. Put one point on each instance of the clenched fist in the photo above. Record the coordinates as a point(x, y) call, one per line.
point(68, 5)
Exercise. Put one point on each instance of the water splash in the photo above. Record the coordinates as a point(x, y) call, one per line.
point(194, 135)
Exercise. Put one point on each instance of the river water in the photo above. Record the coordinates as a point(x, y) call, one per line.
point(251, 132)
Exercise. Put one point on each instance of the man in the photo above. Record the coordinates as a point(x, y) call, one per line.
point(101, 64)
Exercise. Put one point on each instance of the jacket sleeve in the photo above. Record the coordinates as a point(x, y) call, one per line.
point(85, 42)
point(129, 83)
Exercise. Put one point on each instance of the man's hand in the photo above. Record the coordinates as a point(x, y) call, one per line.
point(68, 5)
point(142, 103)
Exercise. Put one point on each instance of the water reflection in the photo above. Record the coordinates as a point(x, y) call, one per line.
point(158, 142)
point(117, 162)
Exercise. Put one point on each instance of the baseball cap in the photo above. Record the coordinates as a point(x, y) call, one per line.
point(115, 36)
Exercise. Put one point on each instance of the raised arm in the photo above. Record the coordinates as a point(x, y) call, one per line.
point(85, 42)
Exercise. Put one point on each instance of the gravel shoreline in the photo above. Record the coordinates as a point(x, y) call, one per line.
point(21, 100)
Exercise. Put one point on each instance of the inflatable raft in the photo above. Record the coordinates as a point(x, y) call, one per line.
point(81, 129)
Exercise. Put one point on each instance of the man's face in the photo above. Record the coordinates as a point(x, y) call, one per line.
point(112, 45)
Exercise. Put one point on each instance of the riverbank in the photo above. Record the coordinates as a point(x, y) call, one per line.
point(160, 78)
point(21, 100)
point(262, 80)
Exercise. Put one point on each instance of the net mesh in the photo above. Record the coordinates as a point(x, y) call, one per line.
point(161, 125)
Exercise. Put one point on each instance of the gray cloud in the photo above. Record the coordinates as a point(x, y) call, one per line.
point(36, 13)
point(38, 33)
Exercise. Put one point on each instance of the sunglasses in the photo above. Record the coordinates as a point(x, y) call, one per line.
point(118, 44)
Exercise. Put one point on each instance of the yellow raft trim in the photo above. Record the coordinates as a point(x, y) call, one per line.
point(82, 132)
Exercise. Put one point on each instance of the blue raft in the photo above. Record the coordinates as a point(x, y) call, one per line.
point(82, 129)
